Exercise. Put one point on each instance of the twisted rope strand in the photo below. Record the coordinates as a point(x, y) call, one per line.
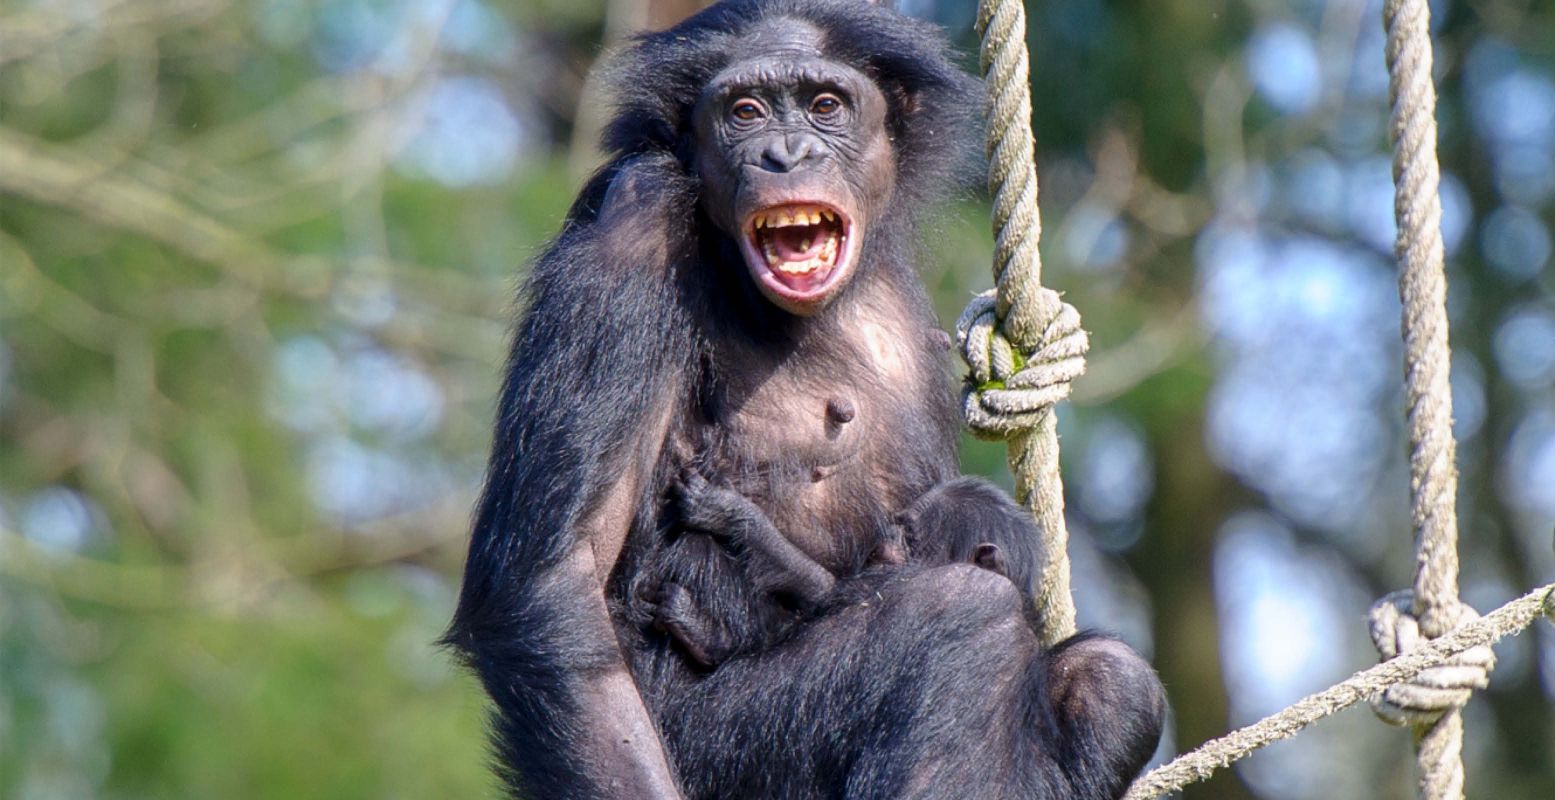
point(1423, 289)
point(1427, 361)
point(1023, 309)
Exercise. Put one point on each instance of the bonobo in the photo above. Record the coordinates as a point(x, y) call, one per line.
point(971, 520)
point(734, 295)
point(730, 583)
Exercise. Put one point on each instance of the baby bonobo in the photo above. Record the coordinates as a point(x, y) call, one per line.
point(730, 558)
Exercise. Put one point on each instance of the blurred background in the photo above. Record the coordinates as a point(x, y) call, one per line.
point(257, 262)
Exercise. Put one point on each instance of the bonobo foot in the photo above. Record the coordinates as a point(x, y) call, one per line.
point(719, 512)
point(771, 562)
point(674, 611)
point(1109, 704)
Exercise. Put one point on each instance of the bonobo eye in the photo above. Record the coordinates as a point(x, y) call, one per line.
point(746, 110)
point(825, 104)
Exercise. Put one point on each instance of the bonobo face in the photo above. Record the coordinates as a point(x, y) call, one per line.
point(795, 162)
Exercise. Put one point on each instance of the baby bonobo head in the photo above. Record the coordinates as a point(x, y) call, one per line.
point(969, 520)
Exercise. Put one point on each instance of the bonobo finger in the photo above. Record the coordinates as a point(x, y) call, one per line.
point(891, 551)
point(671, 601)
point(691, 480)
point(676, 598)
point(687, 488)
point(691, 497)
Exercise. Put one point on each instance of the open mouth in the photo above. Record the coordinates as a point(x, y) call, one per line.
point(801, 248)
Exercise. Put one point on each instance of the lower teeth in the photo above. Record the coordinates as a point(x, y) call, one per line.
point(827, 255)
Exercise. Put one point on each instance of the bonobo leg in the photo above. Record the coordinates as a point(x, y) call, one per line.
point(919, 683)
point(1109, 708)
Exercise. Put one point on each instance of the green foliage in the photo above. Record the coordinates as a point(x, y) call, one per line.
point(257, 262)
point(334, 691)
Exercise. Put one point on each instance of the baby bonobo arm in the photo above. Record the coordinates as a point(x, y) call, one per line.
point(731, 581)
point(771, 561)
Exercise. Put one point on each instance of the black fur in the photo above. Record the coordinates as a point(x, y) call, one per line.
point(727, 582)
point(644, 352)
point(955, 522)
point(909, 683)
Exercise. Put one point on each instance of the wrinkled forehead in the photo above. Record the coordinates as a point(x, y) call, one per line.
point(782, 54)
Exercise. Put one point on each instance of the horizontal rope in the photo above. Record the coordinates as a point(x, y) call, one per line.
point(1217, 753)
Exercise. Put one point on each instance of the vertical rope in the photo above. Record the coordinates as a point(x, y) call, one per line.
point(1023, 316)
point(1423, 289)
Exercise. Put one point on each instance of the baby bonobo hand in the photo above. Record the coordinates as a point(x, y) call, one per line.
point(730, 582)
point(770, 560)
point(719, 512)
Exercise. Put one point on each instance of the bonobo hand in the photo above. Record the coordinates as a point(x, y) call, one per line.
point(719, 512)
point(770, 560)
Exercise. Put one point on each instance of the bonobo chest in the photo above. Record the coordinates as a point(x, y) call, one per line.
point(836, 430)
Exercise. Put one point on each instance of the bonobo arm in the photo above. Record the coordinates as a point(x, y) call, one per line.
point(594, 371)
point(772, 561)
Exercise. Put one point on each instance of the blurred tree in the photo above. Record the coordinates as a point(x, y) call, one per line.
point(254, 267)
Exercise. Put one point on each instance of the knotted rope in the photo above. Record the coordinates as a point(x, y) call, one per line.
point(1024, 346)
point(1435, 691)
point(1008, 391)
point(1417, 206)
point(1424, 680)
point(1192, 767)
point(1023, 343)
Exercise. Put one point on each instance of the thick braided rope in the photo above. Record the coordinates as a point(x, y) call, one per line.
point(1008, 392)
point(1423, 289)
point(1198, 765)
point(1025, 312)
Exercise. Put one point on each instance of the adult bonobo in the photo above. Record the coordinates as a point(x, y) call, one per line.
point(733, 297)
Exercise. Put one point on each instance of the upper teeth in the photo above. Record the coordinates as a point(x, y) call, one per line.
point(793, 215)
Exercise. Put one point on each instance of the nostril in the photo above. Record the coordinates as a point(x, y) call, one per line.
point(778, 157)
point(787, 153)
point(807, 150)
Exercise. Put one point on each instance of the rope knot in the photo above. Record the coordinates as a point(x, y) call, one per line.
point(1421, 701)
point(1009, 388)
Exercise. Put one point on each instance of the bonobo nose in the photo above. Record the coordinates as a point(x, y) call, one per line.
point(792, 152)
